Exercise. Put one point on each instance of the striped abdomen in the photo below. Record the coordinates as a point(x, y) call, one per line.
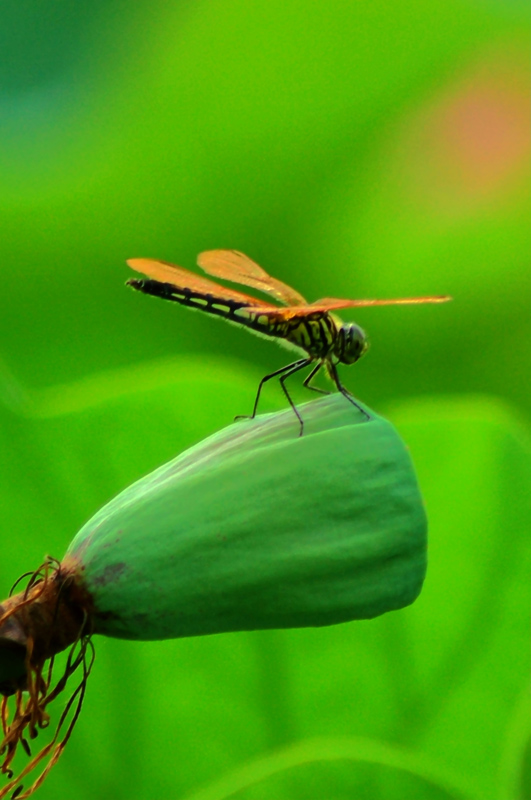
point(315, 333)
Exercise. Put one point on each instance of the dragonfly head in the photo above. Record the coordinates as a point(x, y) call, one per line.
point(352, 343)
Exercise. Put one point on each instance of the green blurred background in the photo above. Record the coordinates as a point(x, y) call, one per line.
point(352, 149)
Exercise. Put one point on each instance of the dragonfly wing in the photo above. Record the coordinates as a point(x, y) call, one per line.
point(333, 303)
point(232, 265)
point(183, 279)
point(278, 313)
point(327, 304)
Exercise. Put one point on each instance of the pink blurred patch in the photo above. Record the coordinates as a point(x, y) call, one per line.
point(470, 144)
point(485, 130)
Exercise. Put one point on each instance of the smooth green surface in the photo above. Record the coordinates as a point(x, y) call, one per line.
point(354, 150)
point(258, 527)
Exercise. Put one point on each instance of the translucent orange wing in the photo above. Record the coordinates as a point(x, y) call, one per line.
point(331, 303)
point(184, 279)
point(334, 303)
point(238, 268)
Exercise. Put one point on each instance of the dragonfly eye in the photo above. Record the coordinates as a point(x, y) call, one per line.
point(352, 343)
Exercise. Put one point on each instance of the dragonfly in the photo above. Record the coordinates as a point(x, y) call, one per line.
point(312, 329)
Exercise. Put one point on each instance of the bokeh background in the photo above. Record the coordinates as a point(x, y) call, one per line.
point(353, 149)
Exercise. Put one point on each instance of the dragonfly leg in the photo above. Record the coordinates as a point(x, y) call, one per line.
point(345, 392)
point(295, 367)
point(283, 372)
point(306, 381)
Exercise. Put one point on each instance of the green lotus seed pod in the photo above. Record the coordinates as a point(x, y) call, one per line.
point(257, 527)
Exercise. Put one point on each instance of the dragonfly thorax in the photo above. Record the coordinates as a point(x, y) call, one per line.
point(351, 343)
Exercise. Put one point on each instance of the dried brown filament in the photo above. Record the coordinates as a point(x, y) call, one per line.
point(43, 619)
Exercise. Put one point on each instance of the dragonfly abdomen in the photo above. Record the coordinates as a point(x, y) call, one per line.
point(231, 310)
point(186, 297)
point(316, 333)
